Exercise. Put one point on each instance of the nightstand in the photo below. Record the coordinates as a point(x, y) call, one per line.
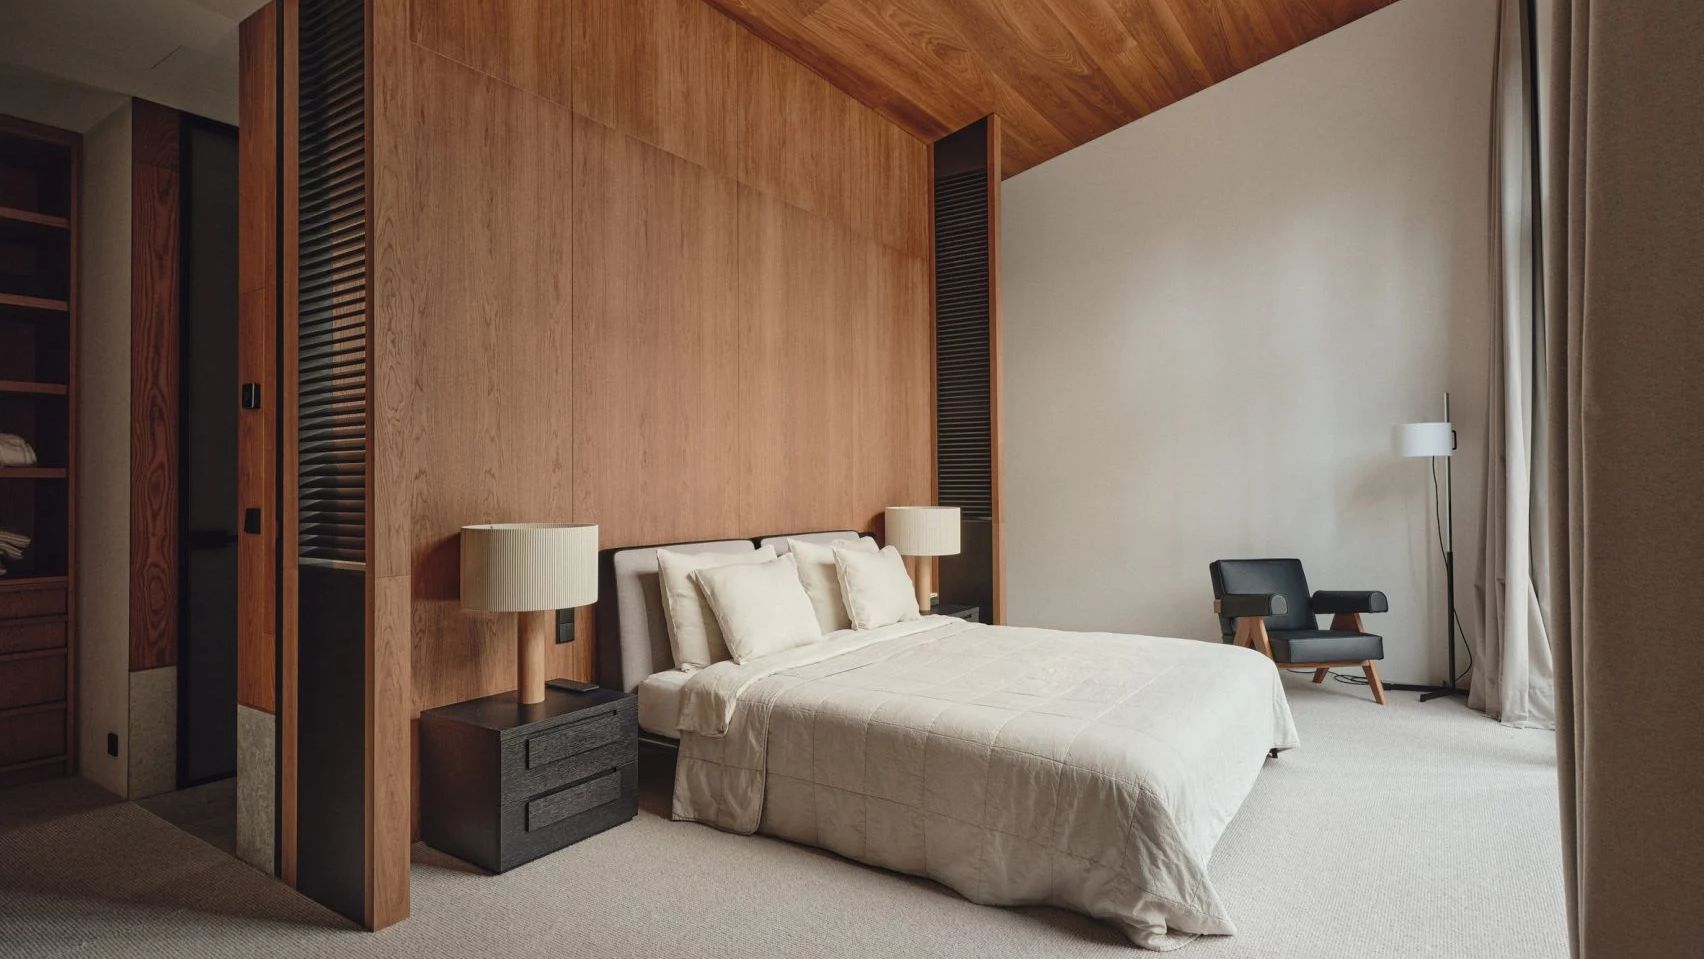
point(503, 783)
point(970, 614)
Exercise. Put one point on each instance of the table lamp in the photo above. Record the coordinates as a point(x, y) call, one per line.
point(533, 569)
point(923, 532)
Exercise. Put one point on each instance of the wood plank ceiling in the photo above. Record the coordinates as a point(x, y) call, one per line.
point(1058, 72)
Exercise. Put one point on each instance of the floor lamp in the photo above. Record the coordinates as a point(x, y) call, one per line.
point(1430, 441)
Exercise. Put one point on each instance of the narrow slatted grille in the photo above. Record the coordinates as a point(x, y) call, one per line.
point(332, 282)
point(964, 464)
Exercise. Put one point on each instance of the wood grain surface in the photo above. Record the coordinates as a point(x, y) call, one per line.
point(257, 356)
point(155, 185)
point(1058, 72)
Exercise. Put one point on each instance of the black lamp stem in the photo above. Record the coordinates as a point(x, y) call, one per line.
point(1449, 686)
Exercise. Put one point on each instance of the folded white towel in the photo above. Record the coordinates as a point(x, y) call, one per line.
point(10, 552)
point(15, 451)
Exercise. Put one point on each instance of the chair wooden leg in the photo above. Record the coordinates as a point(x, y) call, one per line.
point(1372, 671)
point(1320, 674)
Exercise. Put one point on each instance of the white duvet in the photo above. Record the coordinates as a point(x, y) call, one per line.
point(1093, 771)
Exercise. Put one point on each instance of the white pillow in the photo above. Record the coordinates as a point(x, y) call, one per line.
point(821, 578)
point(694, 637)
point(877, 589)
point(761, 607)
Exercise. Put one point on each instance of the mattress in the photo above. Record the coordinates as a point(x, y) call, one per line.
point(659, 702)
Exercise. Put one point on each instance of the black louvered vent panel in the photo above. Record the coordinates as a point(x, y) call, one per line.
point(963, 454)
point(332, 278)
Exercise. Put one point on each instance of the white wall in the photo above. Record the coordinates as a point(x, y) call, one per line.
point(1214, 316)
point(103, 454)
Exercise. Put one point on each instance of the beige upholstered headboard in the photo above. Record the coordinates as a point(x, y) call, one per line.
point(780, 542)
point(633, 638)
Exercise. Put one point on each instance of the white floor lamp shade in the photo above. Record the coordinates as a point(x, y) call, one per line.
point(923, 532)
point(532, 569)
point(1425, 439)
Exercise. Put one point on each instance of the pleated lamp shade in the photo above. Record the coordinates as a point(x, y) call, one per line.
point(1425, 439)
point(923, 530)
point(526, 567)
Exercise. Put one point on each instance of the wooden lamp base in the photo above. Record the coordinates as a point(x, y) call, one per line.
point(922, 576)
point(534, 634)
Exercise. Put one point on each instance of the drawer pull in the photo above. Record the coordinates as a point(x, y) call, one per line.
point(562, 804)
point(572, 740)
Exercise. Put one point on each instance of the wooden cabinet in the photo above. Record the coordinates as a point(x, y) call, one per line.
point(502, 783)
point(38, 350)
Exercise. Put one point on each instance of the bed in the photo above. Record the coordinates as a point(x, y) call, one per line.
point(1091, 771)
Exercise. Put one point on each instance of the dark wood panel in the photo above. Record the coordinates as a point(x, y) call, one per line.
point(289, 462)
point(154, 356)
point(33, 733)
point(257, 260)
point(18, 636)
point(1059, 72)
point(32, 678)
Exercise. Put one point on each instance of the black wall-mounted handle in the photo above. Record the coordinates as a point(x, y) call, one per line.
point(251, 396)
point(251, 520)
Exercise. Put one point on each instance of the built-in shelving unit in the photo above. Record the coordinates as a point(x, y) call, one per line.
point(38, 349)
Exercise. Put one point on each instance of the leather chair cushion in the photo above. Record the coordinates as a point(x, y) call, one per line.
point(1281, 576)
point(1324, 645)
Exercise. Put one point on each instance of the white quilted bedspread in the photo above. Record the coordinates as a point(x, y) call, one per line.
point(1093, 771)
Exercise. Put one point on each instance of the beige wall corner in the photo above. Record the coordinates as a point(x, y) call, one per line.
point(103, 456)
point(153, 731)
point(257, 737)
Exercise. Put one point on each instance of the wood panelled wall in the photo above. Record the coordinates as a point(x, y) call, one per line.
point(257, 277)
point(633, 266)
point(154, 351)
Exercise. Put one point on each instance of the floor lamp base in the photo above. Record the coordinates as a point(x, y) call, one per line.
point(1429, 693)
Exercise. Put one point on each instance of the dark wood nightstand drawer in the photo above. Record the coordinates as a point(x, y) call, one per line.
point(573, 739)
point(551, 808)
point(521, 783)
point(528, 831)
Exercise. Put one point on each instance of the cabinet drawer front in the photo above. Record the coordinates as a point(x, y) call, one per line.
point(33, 680)
point(18, 603)
point(573, 739)
point(32, 735)
point(30, 635)
point(552, 808)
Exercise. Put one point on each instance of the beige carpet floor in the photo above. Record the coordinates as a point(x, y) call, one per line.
point(1417, 830)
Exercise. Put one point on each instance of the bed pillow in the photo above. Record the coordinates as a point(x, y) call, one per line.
point(694, 636)
point(821, 578)
point(761, 607)
point(877, 589)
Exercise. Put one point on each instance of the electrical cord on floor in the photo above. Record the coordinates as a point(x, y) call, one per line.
point(1455, 620)
point(1456, 629)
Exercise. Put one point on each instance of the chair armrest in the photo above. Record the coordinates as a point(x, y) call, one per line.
point(1238, 605)
point(1350, 601)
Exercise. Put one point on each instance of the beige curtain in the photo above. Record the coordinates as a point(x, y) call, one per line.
point(1625, 393)
point(1512, 673)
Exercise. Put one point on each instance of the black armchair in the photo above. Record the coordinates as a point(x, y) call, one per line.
point(1265, 604)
